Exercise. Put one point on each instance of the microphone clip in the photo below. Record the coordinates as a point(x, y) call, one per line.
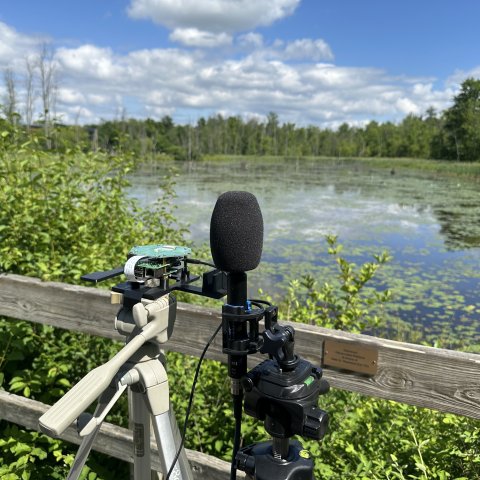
point(240, 329)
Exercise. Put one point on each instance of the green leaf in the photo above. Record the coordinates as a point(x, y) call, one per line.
point(64, 382)
point(16, 386)
point(40, 453)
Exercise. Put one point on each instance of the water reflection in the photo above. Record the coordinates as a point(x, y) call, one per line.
point(431, 225)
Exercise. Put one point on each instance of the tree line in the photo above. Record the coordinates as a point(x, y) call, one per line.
point(453, 134)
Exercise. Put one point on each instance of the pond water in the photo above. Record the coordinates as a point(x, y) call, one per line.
point(429, 224)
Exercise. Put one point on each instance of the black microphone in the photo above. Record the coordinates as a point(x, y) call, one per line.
point(236, 232)
point(236, 240)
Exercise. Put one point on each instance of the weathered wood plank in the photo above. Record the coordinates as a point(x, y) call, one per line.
point(428, 377)
point(111, 440)
point(71, 307)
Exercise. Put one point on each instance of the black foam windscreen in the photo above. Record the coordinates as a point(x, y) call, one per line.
point(236, 232)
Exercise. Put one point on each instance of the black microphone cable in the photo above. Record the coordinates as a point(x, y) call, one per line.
point(190, 400)
point(200, 262)
point(237, 413)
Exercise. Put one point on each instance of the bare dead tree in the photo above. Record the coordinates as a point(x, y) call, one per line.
point(30, 93)
point(48, 86)
point(10, 98)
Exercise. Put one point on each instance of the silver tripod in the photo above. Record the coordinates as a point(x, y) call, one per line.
point(139, 366)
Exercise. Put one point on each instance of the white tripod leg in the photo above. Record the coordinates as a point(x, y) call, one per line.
point(154, 400)
point(90, 429)
point(168, 440)
point(140, 424)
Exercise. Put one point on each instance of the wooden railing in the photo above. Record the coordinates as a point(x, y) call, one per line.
point(434, 378)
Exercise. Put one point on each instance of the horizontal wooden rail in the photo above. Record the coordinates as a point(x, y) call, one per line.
point(439, 379)
point(111, 440)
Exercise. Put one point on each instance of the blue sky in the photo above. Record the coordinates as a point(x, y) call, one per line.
point(311, 61)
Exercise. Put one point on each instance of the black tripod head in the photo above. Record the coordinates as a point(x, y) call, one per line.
point(283, 392)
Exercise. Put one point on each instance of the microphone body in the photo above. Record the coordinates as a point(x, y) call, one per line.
point(237, 288)
point(235, 332)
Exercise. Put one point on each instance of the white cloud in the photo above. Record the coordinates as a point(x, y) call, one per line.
point(14, 46)
point(459, 76)
point(407, 106)
point(212, 15)
point(424, 93)
point(158, 112)
point(89, 61)
point(308, 49)
point(97, 83)
point(193, 37)
point(70, 96)
point(329, 76)
point(250, 40)
point(173, 81)
point(95, 99)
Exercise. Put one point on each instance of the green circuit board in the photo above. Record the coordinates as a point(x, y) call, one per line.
point(160, 251)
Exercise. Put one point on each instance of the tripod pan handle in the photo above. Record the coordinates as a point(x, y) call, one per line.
point(56, 420)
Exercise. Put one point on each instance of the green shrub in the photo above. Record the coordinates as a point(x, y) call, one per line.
point(343, 303)
point(371, 438)
point(65, 215)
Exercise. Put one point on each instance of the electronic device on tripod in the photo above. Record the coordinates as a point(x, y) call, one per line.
point(155, 270)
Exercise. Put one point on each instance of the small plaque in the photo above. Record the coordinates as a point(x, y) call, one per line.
point(350, 356)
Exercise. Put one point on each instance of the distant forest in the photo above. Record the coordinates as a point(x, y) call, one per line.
point(453, 134)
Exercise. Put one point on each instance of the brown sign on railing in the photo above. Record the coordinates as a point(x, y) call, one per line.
point(350, 356)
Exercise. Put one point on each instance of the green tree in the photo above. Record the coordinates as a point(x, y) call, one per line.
point(347, 145)
point(271, 129)
point(373, 140)
point(462, 123)
point(415, 138)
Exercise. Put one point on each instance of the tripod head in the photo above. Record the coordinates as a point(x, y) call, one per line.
point(283, 391)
